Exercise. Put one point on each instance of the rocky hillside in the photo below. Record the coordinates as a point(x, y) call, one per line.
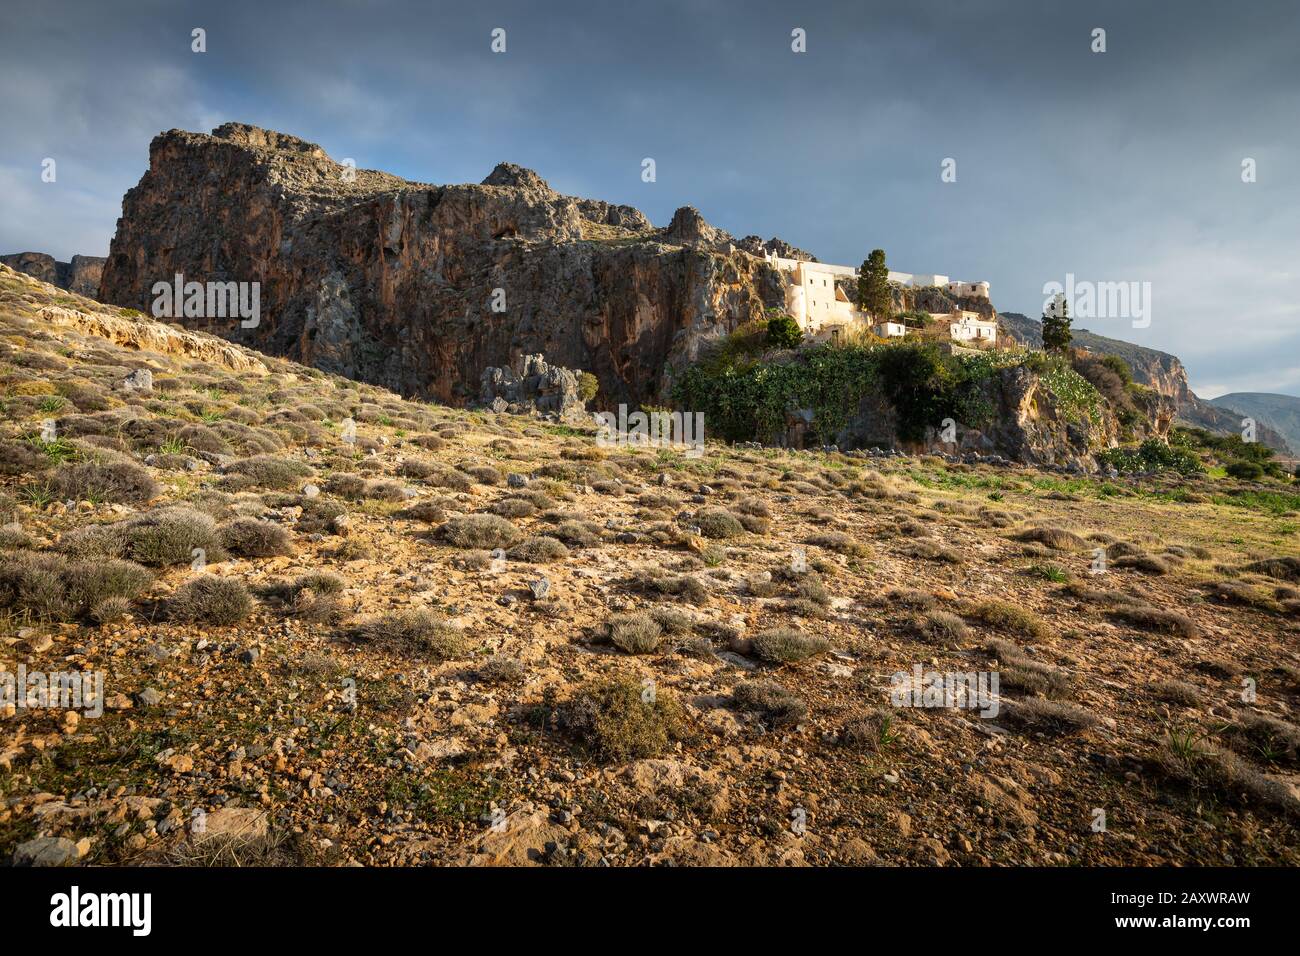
point(336, 626)
point(1282, 412)
point(419, 287)
point(1155, 369)
point(82, 275)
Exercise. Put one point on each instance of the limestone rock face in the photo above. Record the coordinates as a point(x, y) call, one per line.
point(419, 287)
point(81, 275)
point(1157, 370)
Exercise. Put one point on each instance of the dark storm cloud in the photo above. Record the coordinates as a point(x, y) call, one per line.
point(1116, 166)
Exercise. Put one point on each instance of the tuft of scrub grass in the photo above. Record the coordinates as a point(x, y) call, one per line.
point(120, 482)
point(1008, 617)
point(538, 550)
point(940, 628)
point(1149, 618)
point(1195, 760)
point(1050, 717)
point(784, 645)
point(268, 471)
point(838, 542)
point(211, 600)
point(634, 633)
point(773, 701)
point(717, 523)
point(870, 734)
point(1057, 538)
point(619, 721)
point(930, 550)
point(53, 587)
point(1176, 692)
point(484, 532)
point(250, 538)
point(1266, 739)
point(500, 669)
point(419, 630)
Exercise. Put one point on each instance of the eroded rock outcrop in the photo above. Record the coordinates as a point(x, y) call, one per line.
point(419, 287)
point(532, 385)
point(80, 275)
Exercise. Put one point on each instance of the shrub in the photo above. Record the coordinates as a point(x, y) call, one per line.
point(685, 586)
point(783, 332)
point(774, 701)
point(1176, 692)
point(538, 550)
point(1152, 455)
point(837, 541)
point(1008, 617)
point(346, 485)
point(499, 669)
point(118, 481)
point(717, 523)
point(20, 458)
point(514, 508)
point(385, 491)
point(940, 628)
point(1058, 538)
point(588, 386)
point(52, 587)
point(318, 515)
point(1047, 716)
point(484, 474)
point(635, 633)
point(110, 610)
point(617, 721)
point(211, 600)
point(168, 536)
point(480, 531)
point(1244, 470)
point(579, 534)
point(250, 538)
point(270, 471)
point(430, 512)
point(785, 645)
point(419, 630)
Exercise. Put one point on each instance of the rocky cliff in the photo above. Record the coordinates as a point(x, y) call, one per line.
point(1155, 369)
point(82, 275)
point(420, 287)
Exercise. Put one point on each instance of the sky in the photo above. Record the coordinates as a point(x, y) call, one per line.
point(1119, 166)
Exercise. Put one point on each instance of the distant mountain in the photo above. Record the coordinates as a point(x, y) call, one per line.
point(1282, 412)
point(1165, 373)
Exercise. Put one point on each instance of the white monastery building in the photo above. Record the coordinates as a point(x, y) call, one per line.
point(814, 299)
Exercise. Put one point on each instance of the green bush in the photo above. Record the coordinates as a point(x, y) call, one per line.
point(620, 720)
point(1245, 470)
point(1152, 455)
point(783, 332)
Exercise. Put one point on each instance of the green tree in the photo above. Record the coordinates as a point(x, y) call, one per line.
point(588, 386)
point(783, 332)
point(874, 295)
point(1056, 326)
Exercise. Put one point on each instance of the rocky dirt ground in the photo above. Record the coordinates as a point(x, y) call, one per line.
point(451, 637)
